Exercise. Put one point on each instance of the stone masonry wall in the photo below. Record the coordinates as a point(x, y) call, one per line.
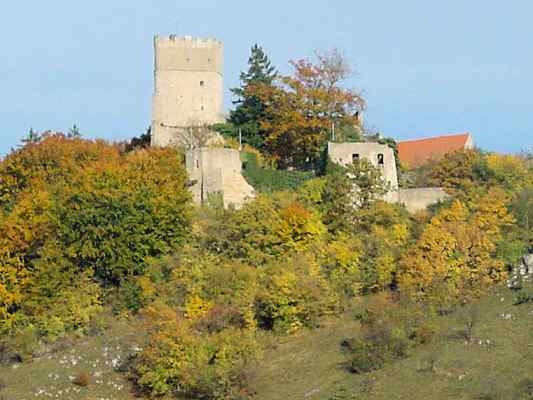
point(344, 153)
point(188, 89)
point(420, 198)
point(217, 170)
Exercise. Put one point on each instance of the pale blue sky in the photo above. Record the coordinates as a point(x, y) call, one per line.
point(425, 67)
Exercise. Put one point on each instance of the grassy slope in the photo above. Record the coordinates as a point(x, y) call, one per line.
point(308, 365)
point(51, 376)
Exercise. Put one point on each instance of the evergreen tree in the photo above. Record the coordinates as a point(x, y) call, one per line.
point(250, 109)
point(74, 132)
point(32, 137)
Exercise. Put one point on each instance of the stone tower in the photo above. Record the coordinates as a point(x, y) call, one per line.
point(188, 87)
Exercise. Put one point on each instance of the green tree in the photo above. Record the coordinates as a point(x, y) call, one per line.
point(32, 137)
point(349, 190)
point(303, 108)
point(74, 132)
point(250, 108)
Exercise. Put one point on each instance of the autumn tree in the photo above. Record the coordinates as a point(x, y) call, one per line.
point(302, 109)
point(75, 213)
point(455, 257)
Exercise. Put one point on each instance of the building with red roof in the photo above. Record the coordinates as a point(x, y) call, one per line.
point(414, 153)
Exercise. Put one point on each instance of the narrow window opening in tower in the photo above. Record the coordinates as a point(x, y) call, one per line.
point(380, 159)
point(202, 108)
point(197, 164)
point(355, 158)
point(202, 83)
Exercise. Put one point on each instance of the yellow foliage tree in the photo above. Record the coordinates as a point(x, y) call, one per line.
point(455, 257)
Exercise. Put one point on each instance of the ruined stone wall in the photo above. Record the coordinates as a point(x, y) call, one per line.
point(344, 154)
point(188, 88)
point(420, 198)
point(217, 170)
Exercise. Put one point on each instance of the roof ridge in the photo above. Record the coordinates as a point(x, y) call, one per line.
point(436, 137)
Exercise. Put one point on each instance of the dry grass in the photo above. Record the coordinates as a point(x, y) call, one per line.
point(493, 360)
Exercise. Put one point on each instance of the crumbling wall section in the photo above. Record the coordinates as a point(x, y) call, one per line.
point(214, 170)
point(420, 198)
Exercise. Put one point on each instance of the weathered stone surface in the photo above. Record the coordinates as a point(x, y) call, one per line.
point(188, 90)
point(380, 155)
point(521, 273)
point(420, 198)
point(217, 170)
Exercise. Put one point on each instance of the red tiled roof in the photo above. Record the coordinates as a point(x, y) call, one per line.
point(413, 153)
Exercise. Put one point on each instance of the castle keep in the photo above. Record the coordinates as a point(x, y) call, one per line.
point(188, 87)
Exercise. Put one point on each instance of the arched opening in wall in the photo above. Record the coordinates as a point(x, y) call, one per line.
point(355, 158)
point(381, 160)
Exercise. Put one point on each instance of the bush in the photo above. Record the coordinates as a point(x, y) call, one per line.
point(270, 227)
point(177, 360)
point(364, 356)
point(524, 390)
point(266, 180)
point(294, 294)
point(82, 379)
point(378, 343)
point(389, 327)
point(523, 297)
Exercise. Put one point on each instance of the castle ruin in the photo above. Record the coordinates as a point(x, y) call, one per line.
point(188, 93)
point(382, 157)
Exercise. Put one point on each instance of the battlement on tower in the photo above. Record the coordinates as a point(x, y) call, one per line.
point(187, 53)
point(172, 40)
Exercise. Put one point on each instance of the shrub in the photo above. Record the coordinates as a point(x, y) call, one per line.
point(523, 297)
point(378, 343)
point(524, 390)
point(294, 294)
point(389, 327)
point(364, 356)
point(264, 230)
point(82, 379)
point(266, 180)
point(177, 360)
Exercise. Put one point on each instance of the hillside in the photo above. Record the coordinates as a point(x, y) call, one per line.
point(496, 363)
point(114, 283)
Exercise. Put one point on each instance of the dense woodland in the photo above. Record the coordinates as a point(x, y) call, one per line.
point(88, 227)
